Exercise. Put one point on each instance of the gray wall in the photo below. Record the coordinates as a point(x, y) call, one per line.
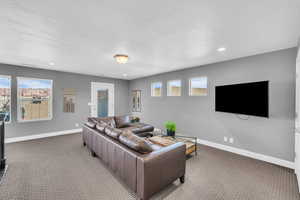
point(61, 121)
point(195, 116)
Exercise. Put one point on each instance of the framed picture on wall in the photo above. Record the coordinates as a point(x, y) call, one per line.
point(69, 100)
point(136, 101)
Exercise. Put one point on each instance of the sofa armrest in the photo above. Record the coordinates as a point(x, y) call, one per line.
point(158, 169)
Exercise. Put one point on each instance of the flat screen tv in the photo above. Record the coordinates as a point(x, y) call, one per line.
point(245, 98)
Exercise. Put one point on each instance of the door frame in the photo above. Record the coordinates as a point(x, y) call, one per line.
point(297, 118)
point(111, 97)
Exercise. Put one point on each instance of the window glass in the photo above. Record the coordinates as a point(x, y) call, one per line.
point(5, 98)
point(34, 99)
point(198, 86)
point(156, 89)
point(174, 88)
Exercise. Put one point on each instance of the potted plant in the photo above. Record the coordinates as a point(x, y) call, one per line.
point(135, 119)
point(171, 128)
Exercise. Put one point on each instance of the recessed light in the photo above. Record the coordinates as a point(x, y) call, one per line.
point(51, 63)
point(121, 58)
point(221, 49)
point(125, 75)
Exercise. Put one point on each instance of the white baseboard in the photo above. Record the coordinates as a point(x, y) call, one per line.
point(250, 154)
point(242, 152)
point(43, 135)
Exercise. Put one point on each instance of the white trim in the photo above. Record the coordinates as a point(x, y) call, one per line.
point(19, 118)
point(10, 115)
point(250, 154)
point(43, 135)
point(6, 76)
point(95, 86)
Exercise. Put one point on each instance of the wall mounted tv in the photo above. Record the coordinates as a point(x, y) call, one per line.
point(245, 98)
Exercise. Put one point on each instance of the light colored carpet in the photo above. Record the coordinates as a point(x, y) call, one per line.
point(60, 168)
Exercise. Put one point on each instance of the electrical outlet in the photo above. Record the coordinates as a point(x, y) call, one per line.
point(77, 125)
point(231, 140)
point(225, 139)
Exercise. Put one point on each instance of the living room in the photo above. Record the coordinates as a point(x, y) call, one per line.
point(149, 100)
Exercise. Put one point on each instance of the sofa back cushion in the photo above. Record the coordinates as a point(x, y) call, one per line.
point(90, 124)
point(101, 126)
point(110, 121)
point(122, 121)
point(113, 132)
point(135, 142)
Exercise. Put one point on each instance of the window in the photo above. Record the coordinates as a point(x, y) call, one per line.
point(198, 86)
point(5, 98)
point(174, 88)
point(34, 99)
point(156, 89)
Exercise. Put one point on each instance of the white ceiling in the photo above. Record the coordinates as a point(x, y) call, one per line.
point(158, 35)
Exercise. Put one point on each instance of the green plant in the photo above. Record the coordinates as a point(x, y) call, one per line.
point(135, 119)
point(170, 126)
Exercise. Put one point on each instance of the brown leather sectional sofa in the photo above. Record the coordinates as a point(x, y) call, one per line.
point(146, 168)
point(123, 123)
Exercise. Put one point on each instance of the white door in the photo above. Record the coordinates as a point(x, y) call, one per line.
point(103, 100)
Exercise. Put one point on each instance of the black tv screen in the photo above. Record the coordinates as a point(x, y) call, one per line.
point(245, 98)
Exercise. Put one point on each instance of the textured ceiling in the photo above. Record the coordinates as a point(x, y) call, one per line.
point(159, 36)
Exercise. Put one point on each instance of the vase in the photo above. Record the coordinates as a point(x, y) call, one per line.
point(170, 133)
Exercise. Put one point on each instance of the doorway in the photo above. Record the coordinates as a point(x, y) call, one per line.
point(102, 99)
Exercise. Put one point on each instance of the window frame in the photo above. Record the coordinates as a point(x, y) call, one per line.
point(168, 88)
point(152, 88)
point(190, 86)
point(18, 101)
point(10, 81)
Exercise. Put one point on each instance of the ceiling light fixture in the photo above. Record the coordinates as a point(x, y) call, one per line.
point(125, 75)
point(121, 58)
point(221, 49)
point(51, 63)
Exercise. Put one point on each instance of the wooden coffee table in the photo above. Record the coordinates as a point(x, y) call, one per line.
point(190, 142)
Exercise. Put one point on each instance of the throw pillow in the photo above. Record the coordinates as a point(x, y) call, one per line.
point(122, 121)
point(101, 126)
point(90, 124)
point(135, 142)
point(113, 132)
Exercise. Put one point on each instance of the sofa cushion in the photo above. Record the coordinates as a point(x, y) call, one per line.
point(122, 121)
point(130, 128)
point(135, 142)
point(101, 126)
point(90, 124)
point(91, 119)
point(155, 147)
point(141, 128)
point(108, 120)
point(113, 132)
